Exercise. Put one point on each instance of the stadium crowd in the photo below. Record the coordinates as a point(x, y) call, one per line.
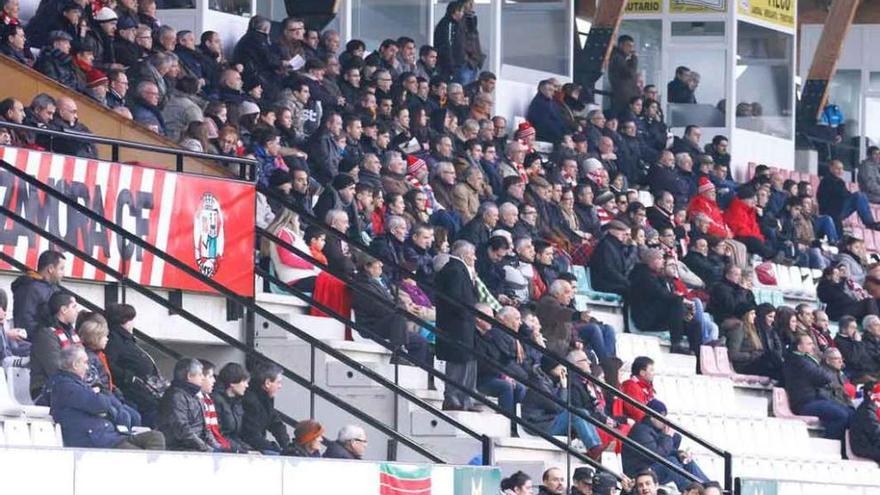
point(399, 149)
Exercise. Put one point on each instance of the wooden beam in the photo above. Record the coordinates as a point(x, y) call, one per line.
point(608, 16)
point(824, 65)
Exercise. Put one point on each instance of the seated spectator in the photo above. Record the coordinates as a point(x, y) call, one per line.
point(860, 364)
point(378, 320)
point(842, 391)
point(228, 397)
point(655, 307)
point(771, 342)
point(808, 386)
point(15, 350)
point(839, 299)
point(260, 415)
point(58, 334)
point(727, 295)
point(869, 175)
point(709, 268)
point(744, 345)
point(610, 263)
point(661, 439)
point(864, 430)
point(89, 419)
point(93, 332)
point(587, 396)
point(546, 415)
point(741, 217)
point(66, 120)
point(505, 351)
point(553, 481)
point(557, 317)
point(181, 417)
point(517, 483)
point(852, 256)
point(351, 443)
point(56, 61)
point(819, 328)
point(871, 337)
point(639, 386)
point(329, 290)
point(289, 266)
point(466, 195)
point(308, 438)
point(134, 370)
point(212, 422)
point(13, 44)
point(838, 202)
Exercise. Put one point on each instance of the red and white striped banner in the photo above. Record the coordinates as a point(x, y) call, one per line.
point(202, 221)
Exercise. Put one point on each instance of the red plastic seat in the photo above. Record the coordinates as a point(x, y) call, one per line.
point(781, 408)
point(722, 361)
point(708, 364)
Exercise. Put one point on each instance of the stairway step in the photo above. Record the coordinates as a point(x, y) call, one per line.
point(493, 425)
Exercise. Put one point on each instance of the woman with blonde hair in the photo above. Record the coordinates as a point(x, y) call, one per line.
point(289, 266)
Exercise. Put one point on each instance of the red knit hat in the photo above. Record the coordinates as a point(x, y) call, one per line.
point(524, 130)
point(414, 164)
point(705, 185)
point(95, 78)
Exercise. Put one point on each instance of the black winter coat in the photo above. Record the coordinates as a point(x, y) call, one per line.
point(864, 431)
point(449, 42)
point(182, 419)
point(73, 147)
point(649, 295)
point(230, 416)
point(455, 282)
point(872, 347)
point(30, 293)
point(260, 417)
point(45, 355)
point(645, 434)
point(254, 53)
point(725, 296)
point(374, 317)
point(855, 355)
point(709, 269)
point(58, 66)
point(805, 380)
point(499, 347)
point(609, 266)
point(837, 301)
point(539, 410)
point(131, 367)
point(335, 450)
point(831, 195)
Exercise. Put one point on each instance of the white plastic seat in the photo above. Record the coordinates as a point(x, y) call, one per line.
point(17, 432)
point(43, 434)
point(19, 381)
point(10, 407)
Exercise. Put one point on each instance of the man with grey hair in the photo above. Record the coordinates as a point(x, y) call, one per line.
point(508, 215)
point(88, 419)
point(466, 195)
point(497, 345)
point(456, 293)
point(180, 416)
point(480, 228)
point(351, 443)
point(556, 316)
point(871, 337)
point(336, 249)
point(389, 246)
point(394, 174)
point(663, 176)
point(832, 361)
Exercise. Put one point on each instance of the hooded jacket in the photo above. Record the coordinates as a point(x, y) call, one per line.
point(743, 220)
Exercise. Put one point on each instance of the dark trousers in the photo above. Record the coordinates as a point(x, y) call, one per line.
point(148, 440)
point(508, 393)
point(834, 416)
point(756, 246)
point(665, 475)
point(464, 374)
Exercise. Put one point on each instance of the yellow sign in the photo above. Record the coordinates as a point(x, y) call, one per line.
point(697, 6)
point(642, 7)
point(779, 12)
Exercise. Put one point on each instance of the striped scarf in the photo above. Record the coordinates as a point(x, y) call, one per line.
point(604, 215)
point(64, 339)
point(211, 422)
point(430, 201)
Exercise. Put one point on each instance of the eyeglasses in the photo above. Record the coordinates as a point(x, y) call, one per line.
point(360, 440)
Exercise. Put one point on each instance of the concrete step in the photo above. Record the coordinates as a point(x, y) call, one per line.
point(485, 423)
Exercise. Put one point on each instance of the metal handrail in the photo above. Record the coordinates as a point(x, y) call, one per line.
point(353, 286)
point(489, 319)
point(251, 353)
point(116, 143)
point(221, 289)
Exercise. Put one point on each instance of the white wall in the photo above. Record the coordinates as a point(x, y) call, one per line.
point(102, 472)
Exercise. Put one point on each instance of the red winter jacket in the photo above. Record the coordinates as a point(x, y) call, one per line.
point(640, 390)
point(742, 220)
point(702, 204)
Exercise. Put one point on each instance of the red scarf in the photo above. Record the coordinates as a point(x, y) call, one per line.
point(64, 339)
point(103, 357)
point(211, 422)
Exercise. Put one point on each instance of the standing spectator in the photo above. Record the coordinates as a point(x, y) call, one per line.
point(260, 415)
point(474, 56)
point(32, 291)
point(228, 395)
point(456, 282)
point(869, 175)
point(449, 41)
point(49, 341)
point(679, 89)
point(544, 114)
point(808, 385)
point(838, 202)
point(351, 443)
point(623, 73)
point(89, 419)
point(254, 53)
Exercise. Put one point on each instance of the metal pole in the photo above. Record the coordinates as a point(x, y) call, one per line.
point(312, 381)
point(488, 451)
point(728, 472)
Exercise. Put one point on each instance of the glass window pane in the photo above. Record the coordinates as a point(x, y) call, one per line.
point(874, 81)
point(698, 29)
point(376, 20)
point(235, 7)
point(697, 95)
point(535, 36)
point(764, 80)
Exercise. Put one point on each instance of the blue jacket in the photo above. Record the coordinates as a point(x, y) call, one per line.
point(645, 434)
point(86, 417)
point(544, 114)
